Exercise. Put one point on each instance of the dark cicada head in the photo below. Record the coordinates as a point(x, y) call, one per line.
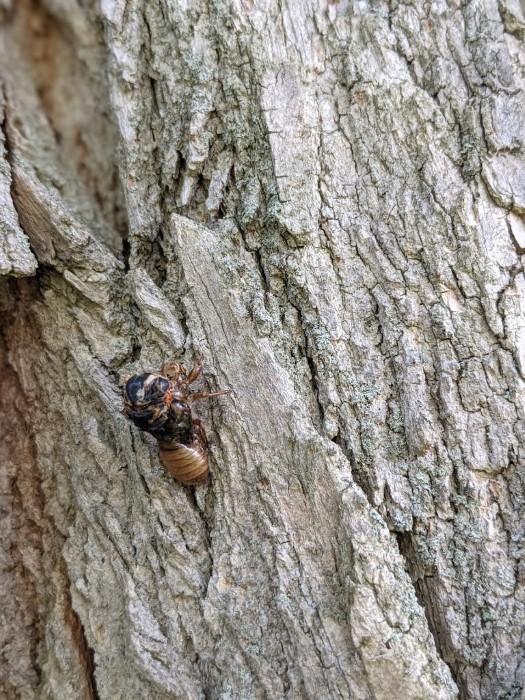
point(145, 404)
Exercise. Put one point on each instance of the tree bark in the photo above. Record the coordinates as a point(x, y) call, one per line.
point(325, 198)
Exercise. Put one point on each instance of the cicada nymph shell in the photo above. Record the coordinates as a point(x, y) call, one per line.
point(188, 464)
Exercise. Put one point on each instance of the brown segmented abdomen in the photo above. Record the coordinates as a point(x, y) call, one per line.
point(187, 464)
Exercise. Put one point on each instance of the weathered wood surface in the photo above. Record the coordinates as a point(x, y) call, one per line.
point(327, 199)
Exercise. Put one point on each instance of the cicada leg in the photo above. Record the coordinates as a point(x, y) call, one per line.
point(198, 395)
point(196, 369)
point(200, 434)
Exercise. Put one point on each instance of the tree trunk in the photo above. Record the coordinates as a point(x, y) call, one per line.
point(325, 198)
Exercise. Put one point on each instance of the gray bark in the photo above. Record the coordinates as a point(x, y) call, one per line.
point(327, 200)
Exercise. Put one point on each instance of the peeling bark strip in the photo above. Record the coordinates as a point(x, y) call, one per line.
point(16, 257)
point(327, 199)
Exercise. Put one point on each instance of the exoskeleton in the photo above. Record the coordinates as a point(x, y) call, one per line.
point(159, 404)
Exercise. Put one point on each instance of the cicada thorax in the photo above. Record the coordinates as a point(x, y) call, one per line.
point(184, 449)
point(144, 402)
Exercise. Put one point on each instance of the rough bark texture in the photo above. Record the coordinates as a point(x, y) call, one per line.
point(327, 199)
